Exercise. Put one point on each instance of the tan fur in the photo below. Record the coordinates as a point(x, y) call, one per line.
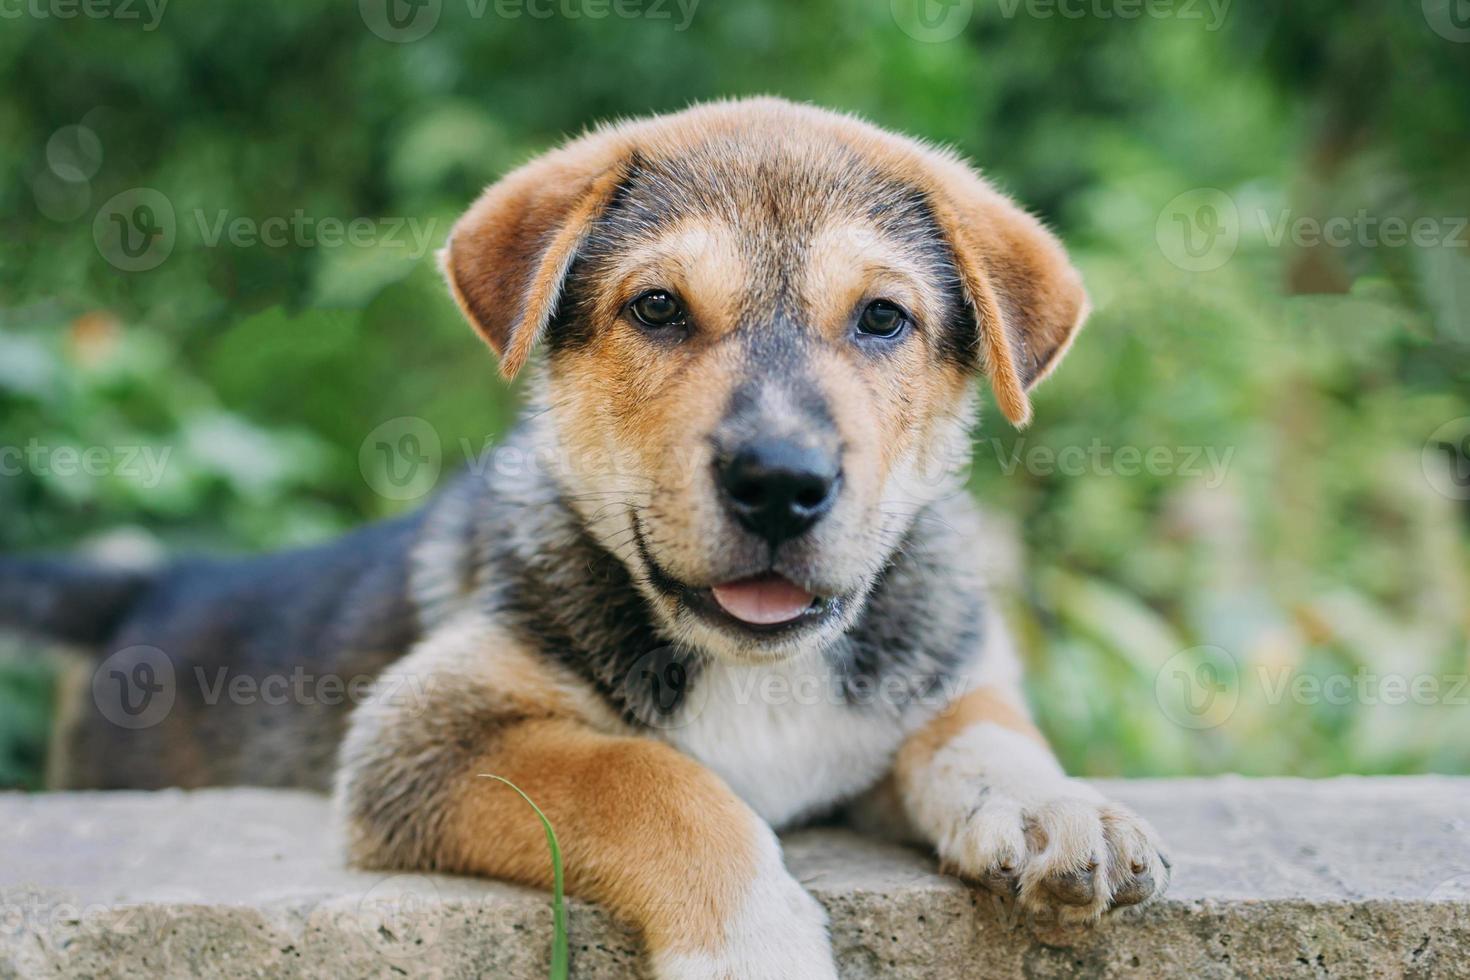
point(699, 257)
point(1029, 300)
point(644, 829)
point(73, 692)
point(850, 261)
point(635, 426)
point(508, 256)
point(981, 704)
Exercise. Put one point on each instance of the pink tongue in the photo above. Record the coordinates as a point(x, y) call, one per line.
point(763, 601)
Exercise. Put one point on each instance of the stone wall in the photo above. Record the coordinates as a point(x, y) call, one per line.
point(1273, 878)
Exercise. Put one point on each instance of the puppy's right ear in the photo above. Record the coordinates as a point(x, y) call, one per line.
point(1027, 299)
point(507, 258)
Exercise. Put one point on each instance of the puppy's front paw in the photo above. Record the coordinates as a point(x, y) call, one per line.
point(1067, 855)
point(778, 931)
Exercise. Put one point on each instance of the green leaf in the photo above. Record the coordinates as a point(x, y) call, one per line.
point(559, 949)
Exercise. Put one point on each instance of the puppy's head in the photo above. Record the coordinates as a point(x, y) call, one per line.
point(762, 321)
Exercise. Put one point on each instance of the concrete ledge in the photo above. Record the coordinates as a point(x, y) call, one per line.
point(1273, 878)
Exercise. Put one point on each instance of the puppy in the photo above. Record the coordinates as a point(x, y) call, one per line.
point(723, 582)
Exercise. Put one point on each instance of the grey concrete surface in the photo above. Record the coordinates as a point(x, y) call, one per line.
point(1273, 878)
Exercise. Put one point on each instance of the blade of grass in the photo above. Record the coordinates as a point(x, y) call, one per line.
point(559, 947)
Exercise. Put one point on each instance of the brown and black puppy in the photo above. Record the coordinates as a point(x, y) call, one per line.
point(730, 583)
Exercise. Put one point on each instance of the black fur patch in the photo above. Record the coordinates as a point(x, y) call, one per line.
point(909, 215)
point(65, 599)
point(565, 596)
point(296, 628)
point(904, 632)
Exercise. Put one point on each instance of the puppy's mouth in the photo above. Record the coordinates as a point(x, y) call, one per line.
point(765, 604)
point(766, 600)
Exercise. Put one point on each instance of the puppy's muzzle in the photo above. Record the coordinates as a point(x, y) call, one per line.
point(777, 488)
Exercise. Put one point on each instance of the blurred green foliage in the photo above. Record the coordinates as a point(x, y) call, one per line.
point(1166, 610)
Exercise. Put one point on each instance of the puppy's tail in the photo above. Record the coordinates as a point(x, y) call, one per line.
point(67, 600)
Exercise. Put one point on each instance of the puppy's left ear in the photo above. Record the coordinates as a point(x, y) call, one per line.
point(508, 256)
point(1027, 299)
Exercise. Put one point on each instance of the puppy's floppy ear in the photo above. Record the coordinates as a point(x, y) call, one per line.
point(508, 256)
point(1027, 299)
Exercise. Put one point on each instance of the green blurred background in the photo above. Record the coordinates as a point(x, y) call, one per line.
point(1303, 519)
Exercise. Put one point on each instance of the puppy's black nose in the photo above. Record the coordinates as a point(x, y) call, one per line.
point(777, 488)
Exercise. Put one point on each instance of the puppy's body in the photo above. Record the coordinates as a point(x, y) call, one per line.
point(259, 652)
point(728, 581)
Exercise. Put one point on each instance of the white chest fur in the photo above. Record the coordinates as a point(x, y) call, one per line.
point(784, 737)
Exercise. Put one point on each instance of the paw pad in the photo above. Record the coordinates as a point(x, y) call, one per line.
point(1074, 887)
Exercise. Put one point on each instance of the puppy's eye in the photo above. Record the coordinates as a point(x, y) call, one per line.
point(658, 309)
point(882, 319)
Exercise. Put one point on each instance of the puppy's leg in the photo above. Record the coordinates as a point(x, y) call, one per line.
point(980, 783)
point(644, 829)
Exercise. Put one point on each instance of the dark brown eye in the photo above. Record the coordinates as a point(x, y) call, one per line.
point(882, 319)
point(658, 309)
